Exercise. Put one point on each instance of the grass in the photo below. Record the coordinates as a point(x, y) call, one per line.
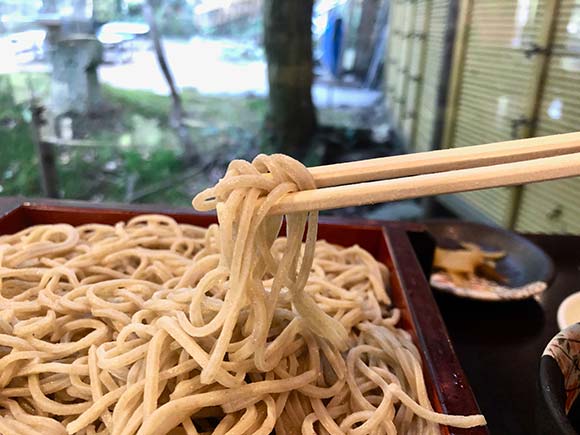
point(143, 103)
point(216, 111)
point(18, 163)
point(18, 166)
point(136, 153)
point(25, 85)
point(239, 112)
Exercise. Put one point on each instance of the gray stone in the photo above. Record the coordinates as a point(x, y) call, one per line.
point(75, 86)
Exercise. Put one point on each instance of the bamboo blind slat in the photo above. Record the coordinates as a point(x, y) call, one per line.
point(555, 206)
point(550, 207)
point(490, 202)
point(393, 62)
point(431, 77)
point(416, 69)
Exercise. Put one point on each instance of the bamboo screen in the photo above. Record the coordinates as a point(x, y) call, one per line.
point(494, 87)
point(415, 57)
point(417, 46)
point(431, 77)
point(394, 63)
point(515, 74)
point(555, 206)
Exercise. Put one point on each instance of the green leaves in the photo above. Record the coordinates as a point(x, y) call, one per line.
point(135, 154)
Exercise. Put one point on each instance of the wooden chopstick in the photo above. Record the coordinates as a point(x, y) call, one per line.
point(445, 160)
point(452, 181)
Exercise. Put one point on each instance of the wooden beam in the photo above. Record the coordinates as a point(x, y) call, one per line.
point(46, 155)
point(540, 66)
point(400, 21)
point(457, 63)
point(534, 101)
point(73, 143)
point(422, 65)
point(408, 58)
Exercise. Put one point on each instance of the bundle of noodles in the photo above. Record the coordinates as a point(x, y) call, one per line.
point(152, 327)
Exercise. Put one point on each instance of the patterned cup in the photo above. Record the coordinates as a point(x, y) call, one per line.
point(557, 410)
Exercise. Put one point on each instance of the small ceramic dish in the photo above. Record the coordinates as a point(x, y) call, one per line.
point(528, 270)
point(557, 410)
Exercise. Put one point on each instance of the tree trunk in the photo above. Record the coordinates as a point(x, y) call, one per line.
point(177, 112)
point(288, 43)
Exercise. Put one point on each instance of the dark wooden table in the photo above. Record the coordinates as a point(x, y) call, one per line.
point(499, 344)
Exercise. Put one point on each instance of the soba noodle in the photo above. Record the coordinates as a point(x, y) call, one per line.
point(152, 327)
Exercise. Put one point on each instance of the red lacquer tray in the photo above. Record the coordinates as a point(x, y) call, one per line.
point(391, 243)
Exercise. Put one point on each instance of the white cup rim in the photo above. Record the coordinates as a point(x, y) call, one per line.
point(574, 298)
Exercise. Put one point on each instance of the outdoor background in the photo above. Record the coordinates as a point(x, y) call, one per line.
point(147, 100)
point(88, 97)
